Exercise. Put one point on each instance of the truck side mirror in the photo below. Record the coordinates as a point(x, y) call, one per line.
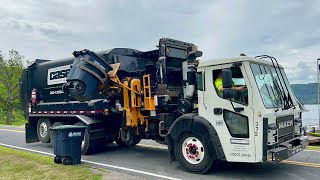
point(193, 55)
point(227, 83)
point(227, 93)
point(226, 78)
point(198, 54)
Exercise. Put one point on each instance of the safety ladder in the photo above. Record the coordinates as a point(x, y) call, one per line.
point(148, 99)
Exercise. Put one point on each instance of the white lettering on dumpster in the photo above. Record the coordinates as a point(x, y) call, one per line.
point(73, 134)
point(56, 92)
point(58, 75)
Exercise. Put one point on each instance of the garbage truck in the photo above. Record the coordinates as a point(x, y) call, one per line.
point(168, 95)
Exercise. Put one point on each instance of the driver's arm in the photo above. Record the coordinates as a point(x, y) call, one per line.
point(240, 88)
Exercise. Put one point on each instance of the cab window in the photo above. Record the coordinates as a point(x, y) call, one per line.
point(239, 89)
point(200, 81)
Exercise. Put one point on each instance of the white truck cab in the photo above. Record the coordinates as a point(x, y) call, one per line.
point(261, 122)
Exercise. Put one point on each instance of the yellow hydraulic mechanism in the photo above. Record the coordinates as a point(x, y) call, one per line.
point(132, 103)
point(132, 98)
point(148, 99)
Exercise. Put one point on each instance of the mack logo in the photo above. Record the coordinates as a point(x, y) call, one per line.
point(74, 134)
point(58, 75)
point(285, 124)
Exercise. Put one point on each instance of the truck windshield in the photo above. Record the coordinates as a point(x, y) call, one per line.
point(272, 89)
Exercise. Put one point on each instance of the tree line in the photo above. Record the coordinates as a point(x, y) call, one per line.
point(11, 67)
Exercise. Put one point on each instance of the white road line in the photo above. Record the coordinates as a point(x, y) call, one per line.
point(96, 163)
point(312, 150)
point(31, 150)
point(10, 126)
point(152, 146)
point(11, 130)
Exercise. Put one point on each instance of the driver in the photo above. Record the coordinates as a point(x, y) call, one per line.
point(219, 85)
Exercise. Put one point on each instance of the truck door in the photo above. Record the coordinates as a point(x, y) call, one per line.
point(232, 118)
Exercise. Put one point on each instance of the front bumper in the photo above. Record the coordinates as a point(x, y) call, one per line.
point(288, 149)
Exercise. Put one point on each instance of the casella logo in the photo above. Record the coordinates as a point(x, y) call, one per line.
point(58, 75)
point(74, 134)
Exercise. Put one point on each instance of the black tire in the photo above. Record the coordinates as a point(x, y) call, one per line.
point(67, 160)
point(43, 130)
point(54, 125)
point(57, 160)
point(120, 142)
point(207, 151)
point(85, 146)
point(134, 142)
point(58, 124)
point(109, 142)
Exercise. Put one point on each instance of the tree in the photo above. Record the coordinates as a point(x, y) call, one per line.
point(10, 72)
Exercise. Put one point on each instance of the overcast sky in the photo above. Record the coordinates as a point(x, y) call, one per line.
point(53, 29)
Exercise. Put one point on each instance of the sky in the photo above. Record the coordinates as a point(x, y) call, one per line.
point(288, 30)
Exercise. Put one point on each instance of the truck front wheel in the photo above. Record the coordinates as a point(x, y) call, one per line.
point(43, 130)
point(194, 152)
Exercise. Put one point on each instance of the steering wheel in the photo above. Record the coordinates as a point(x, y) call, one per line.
point(241, 96)
point(244, 95)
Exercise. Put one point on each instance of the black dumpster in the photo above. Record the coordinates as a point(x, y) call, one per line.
point(67, 141)
point(88, 70)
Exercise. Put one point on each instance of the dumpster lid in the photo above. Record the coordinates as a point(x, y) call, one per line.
point(67, 127)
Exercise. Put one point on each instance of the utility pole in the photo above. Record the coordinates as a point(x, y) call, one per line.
point(318, 70)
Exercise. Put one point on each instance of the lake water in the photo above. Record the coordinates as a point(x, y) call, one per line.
point(312, 116)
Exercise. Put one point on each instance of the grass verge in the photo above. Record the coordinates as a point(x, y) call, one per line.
point(16, 164)
point(15, 123)
point(315, 148)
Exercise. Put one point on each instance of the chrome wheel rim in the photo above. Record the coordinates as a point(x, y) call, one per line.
point(82, 143)
point(193, 150)
point(43, 129)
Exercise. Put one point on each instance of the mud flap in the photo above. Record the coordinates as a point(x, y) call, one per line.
point(31, 133)
point(170, 145)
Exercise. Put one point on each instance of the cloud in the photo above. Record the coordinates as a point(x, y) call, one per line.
point(287, 30)
point(25, 26)
point(293, 51)
point(302, 73)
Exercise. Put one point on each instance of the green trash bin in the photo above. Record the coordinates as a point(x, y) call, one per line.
point(67, 141)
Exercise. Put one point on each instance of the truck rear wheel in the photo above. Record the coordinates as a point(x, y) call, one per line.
point(134, 142)
point(194, 152)
point(43, 130)
point(54, 125)
point(90, 146)
point(120, 142)
point(86, 140)
point(128, 136)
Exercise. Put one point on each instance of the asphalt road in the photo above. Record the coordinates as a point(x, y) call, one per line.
point(151, 157)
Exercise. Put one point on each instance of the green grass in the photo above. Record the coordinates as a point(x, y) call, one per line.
point(16, 164)
point(316, 148)
point(16, 123)
point(18, 118)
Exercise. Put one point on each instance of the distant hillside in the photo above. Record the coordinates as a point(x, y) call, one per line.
point(306, 93)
